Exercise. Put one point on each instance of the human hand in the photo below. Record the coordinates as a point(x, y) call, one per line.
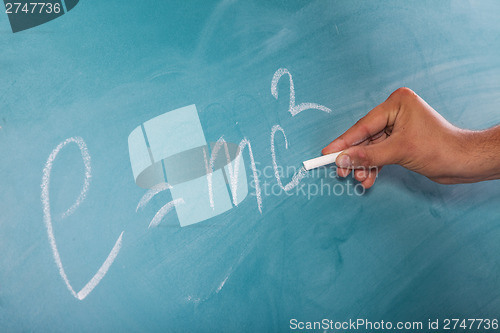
point(405, 130)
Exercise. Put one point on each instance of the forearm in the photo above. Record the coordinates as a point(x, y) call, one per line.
point(483, 154)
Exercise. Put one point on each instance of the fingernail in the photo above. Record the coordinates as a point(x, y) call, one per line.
point(344, 161)
point(326, 150)
point(331, 148)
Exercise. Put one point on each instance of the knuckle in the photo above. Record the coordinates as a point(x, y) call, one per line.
point(404, 91)
point(363, 130)
point(361, 174)
point(404, 94)
point(363, 158)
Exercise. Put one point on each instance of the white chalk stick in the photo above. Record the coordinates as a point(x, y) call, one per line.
point(320, 161)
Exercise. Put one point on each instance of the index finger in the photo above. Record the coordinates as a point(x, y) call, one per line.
point(370, 125)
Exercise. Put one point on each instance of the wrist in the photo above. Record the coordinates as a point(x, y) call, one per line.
point(480, 154)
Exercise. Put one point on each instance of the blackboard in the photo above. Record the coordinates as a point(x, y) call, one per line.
point(87, 103)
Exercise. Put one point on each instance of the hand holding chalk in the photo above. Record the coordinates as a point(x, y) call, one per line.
point(405, 130)
point(321, 161)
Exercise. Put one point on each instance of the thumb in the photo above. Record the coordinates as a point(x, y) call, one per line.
point(374, 155)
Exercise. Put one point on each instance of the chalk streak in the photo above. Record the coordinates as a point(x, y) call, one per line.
point(151, 193)
point(298, 176)
point(243, 255)
point(246, 143)
point(233, 173)
point(164, 211)
point(228, 274)
point(86, 162)
point(94, 281)
point(102, 270)
point(293, 109)
point(222, 283)
point(233, 170)
point(209, 170)
point(274, 85)
point(160, 214)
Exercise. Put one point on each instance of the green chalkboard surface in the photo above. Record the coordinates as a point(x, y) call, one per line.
point(150, 170)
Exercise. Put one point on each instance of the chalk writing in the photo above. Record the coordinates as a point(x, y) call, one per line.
point(233, 171)
point(297, 177)
point(293, 109)
point(94, 281)
point(165, 209)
